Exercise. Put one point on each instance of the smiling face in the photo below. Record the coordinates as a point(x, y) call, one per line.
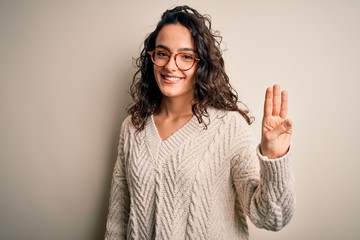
point(173, 82)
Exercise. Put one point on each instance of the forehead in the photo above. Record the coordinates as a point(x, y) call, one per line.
point(174, 37)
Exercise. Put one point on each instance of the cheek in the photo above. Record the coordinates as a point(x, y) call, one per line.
point(192, 75)
point(156, 71)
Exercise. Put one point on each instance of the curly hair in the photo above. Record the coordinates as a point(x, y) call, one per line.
point(212, 87)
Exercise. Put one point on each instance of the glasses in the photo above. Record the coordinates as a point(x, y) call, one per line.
point(183, 60)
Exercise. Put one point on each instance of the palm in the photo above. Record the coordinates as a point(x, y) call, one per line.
point(276, 128)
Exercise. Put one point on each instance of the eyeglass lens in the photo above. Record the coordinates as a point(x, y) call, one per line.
point(183, 60)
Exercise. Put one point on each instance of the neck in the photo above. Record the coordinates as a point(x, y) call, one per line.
point(175, 107)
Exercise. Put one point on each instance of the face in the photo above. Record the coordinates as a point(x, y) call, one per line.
point(173, 82)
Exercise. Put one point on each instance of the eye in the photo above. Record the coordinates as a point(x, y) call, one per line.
point(186, 57)
point(162, 54)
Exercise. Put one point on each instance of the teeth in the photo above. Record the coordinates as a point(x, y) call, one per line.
point(172, 78)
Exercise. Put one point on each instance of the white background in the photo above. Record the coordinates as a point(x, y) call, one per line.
point(65, 69)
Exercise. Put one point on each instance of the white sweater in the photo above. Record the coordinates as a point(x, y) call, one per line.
point(197, 184)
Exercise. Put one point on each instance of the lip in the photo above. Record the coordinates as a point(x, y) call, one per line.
point(169, 79)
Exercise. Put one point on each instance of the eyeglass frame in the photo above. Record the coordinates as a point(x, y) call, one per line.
point(175, 55)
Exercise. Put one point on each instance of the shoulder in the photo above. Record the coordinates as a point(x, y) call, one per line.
point(233, 130)
point(126, 123)
point(232, 124)
point(127, 127)
point(227, 117)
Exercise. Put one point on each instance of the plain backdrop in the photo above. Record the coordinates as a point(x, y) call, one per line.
point(65, 70)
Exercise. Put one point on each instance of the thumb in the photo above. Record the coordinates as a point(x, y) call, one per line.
point(288, 124)
point(285, 127)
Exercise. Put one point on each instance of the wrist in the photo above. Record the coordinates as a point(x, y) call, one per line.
point(272, 154)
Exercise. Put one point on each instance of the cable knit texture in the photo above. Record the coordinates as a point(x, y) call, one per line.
point(197, 184)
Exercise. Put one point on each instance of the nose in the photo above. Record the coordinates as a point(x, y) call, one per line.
point(171, 65)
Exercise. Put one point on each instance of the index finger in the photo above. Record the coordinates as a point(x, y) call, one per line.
point(276, 100)
point(268, 105)
point(284, 104)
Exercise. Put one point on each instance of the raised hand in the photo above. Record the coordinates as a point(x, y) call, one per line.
point(276, 128)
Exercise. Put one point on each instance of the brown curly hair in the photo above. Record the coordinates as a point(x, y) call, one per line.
point(212, 87)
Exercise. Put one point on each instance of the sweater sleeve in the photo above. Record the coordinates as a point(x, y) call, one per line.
point(265, 187)
point(119, 204)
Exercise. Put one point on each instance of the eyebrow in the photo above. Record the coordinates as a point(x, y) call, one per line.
point(179, 50)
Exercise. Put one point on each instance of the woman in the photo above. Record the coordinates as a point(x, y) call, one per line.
point(188, 165)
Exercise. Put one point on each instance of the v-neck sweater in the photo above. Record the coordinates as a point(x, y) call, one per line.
point(199, 183)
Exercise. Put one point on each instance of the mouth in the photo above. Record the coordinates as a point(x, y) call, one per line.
point(171, 79)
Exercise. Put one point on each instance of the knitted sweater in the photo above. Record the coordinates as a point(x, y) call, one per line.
point(197, 184)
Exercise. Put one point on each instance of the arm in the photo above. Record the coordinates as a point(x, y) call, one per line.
point(273, 201)
point(262, 175)
point(264, 187)
point(119, 204)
